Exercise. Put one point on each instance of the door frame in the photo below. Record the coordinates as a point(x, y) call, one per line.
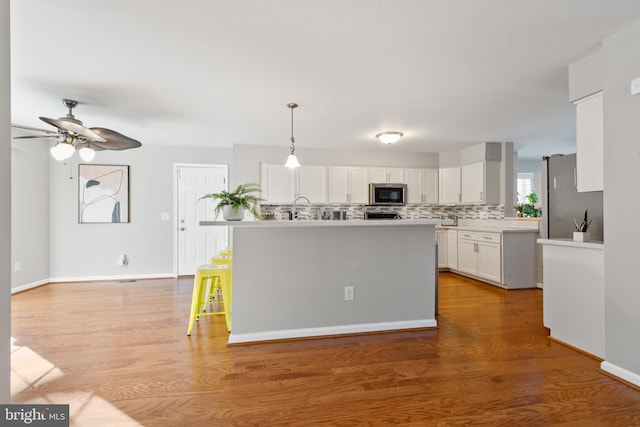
point(176, 241)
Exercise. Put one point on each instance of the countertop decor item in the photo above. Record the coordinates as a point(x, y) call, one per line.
point(581, 234)
point(233, 203)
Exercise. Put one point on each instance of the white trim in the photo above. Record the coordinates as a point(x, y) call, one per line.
point(176, 225)
point(330, 330)
point(622, 373)
point(29, 286)
point(89, 279)
point(168, 275)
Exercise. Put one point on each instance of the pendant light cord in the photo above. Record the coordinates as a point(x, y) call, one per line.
point(293, 148)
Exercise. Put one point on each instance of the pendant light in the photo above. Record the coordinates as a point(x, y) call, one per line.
point(292, 160)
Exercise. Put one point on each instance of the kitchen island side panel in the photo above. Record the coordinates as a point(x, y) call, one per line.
point(293, 278)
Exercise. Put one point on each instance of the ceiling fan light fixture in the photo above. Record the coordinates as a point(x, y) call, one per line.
point(390, 137)
point(62, 151)
point(87, 154)
point(292, 160)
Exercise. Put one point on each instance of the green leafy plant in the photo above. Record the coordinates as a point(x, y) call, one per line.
point(242, 196)
point(528, 208)
point(584, 225)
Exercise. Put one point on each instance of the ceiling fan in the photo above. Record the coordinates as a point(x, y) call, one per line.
point(72, 135)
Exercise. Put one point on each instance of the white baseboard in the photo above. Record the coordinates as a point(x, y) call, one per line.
point(89, 279)
point(540, 285)
point(111, 278)
point(622, 373)
point(330, 330)
point(28, 286)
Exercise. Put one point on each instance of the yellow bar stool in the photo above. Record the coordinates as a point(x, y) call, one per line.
point(226, 252)
point(227, 297)
point(206, 276)
point(215, 289)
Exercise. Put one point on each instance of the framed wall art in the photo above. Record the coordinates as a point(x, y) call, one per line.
point(103, 194)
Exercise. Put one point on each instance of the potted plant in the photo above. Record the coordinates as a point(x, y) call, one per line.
point(528, 210)
point(234, 203)
point(581, 234)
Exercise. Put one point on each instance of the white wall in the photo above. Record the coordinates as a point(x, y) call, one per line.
point(533, 166)
point(79, 251)
point(5, 207)
point(29, 211)
point(621, 64)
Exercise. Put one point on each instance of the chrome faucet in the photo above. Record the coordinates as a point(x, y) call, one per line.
point(293, 209)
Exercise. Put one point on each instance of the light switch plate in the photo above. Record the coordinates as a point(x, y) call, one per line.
point(635, 86)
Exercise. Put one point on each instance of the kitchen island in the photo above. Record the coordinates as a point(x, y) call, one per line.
point(291, 278)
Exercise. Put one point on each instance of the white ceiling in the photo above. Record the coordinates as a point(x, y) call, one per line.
point(447, 73)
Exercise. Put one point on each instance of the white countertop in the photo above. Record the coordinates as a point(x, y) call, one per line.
point(489, 229)
point(572, 243)
point(321, 223)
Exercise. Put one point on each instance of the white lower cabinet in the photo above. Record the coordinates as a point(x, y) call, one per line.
point(480, 254)
point(506, 258)
point(452, 249)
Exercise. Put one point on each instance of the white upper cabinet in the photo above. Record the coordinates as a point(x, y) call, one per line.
point(277, 183)
point(312, 183)
point(449, 185)
point(393, 175)
point(422, 185)
point(481, 182)
point(348, 184)
point(281, 185)
point(589, 143)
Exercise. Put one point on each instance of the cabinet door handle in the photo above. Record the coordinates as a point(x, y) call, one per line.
point(481, 196)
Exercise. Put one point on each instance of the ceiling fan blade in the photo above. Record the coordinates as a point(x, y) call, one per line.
point(95, 147)
point(114, 140)
point(37, 136)
point(74, 127)
point(30, 128)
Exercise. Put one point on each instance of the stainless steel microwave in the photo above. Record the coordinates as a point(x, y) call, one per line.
point(385, 194)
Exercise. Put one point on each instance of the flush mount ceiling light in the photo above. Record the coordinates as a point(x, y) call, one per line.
point(292, 160)
point(389, 137)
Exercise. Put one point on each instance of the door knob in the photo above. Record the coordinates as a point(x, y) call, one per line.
point(181, 228)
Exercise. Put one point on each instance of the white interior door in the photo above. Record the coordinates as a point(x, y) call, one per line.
point(197, 244)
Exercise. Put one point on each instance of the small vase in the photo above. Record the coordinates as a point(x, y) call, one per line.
point(229, 214)
point(581, 236)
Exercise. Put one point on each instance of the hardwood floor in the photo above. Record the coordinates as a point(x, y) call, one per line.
point(118, 352)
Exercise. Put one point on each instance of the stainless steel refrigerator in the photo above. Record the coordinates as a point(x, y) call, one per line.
point(561, 201)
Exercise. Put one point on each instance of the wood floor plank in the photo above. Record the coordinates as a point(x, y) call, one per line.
point(122, 347)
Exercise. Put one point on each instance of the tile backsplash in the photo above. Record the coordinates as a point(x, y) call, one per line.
point(281, 212)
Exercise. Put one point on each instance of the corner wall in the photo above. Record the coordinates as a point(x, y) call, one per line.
point(5, 208)
point(621, 64)
point(29, 212)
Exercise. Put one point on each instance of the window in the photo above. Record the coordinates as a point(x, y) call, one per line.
point(525, 186)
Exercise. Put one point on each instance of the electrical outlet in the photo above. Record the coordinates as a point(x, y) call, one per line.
point(17, 266)
point(348, 293)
